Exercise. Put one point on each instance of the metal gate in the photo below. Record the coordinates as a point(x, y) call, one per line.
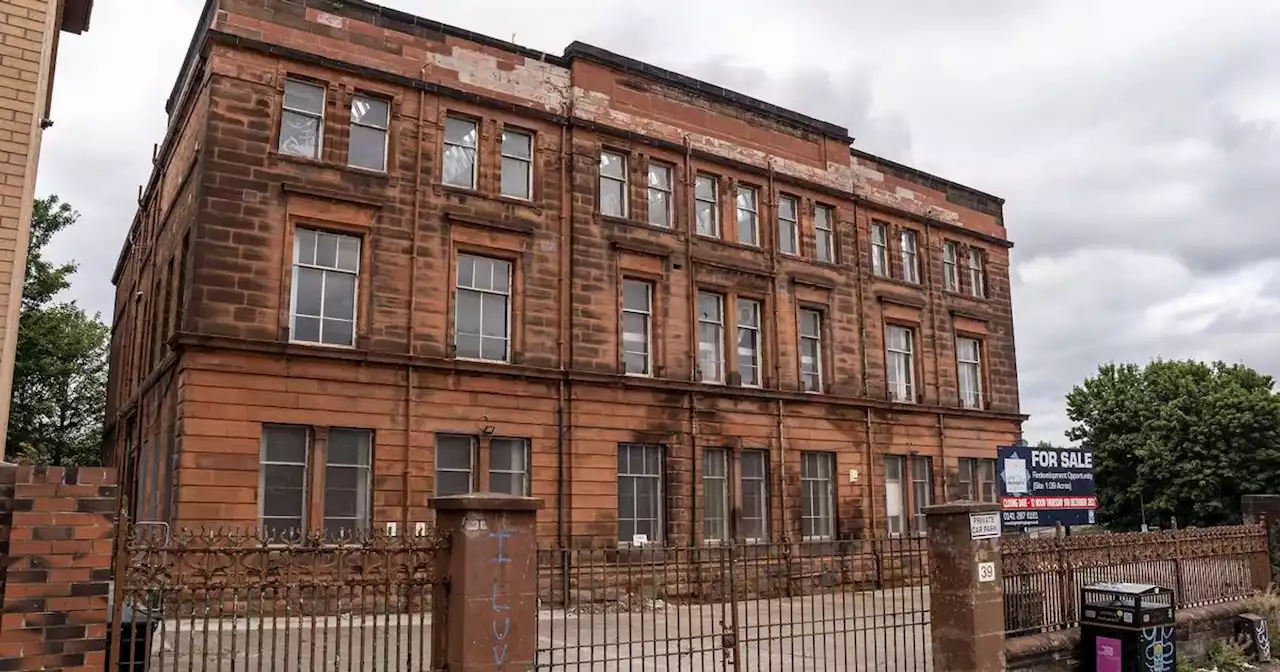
point(843, 605)
point(227, 600)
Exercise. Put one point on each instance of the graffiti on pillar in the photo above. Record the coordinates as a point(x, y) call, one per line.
point(501, 623)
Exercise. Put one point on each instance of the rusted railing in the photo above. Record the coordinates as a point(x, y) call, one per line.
point(235, 601)
point(1042, 577)
point(847, 605)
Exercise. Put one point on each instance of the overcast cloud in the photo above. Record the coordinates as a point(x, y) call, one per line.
point(1137, 144)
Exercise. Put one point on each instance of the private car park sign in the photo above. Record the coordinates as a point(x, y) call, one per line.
point(1042, 487)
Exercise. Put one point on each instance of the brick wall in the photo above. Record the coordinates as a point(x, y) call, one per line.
point(193, 427)
point(59, 527)
point(28, 38)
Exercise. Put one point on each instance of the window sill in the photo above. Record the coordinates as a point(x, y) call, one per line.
point(461, 191)
point(483, 361)
point(333, 165)
point(731, 243)
point(899, 282)
point(614, 219)
point(315, 344)
point(516, 200)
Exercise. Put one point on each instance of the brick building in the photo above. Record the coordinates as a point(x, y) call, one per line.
point(29, 33)
point(381, 259)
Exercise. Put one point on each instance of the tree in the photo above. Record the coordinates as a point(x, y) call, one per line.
point(60, 370)
point(1180, 439)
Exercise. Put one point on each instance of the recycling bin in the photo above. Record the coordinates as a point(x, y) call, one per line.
point(136, 628)
point(1127, 627)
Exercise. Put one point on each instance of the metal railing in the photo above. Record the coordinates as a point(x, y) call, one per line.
point(842, 605)
point(1043, 577)
point(201, 600)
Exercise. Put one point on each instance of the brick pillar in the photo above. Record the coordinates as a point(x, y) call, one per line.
point(966, 600)
point(59, 539)
point(484, 616)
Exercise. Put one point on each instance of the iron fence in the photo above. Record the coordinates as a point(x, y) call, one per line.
point(1043, 577)
point(235, 601)
point(845, 605)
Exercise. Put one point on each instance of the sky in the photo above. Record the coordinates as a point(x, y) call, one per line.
point(1137, 144)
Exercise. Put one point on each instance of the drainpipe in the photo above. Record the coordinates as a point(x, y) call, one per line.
point(564, 346)
point(692, 297)
point(776, 339)
point(410, 330)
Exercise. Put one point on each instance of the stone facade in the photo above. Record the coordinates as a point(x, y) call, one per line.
point(29, 32)
point(204, 355)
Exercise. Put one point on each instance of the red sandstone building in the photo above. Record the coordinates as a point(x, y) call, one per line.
point(382, 259)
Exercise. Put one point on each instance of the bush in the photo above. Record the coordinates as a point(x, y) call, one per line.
point(1228, 657)
point(1266, 605)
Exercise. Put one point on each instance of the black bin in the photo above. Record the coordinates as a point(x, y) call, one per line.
point(136, 628)
point(1127, 627)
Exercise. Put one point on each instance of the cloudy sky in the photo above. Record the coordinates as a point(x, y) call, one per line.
point(1137, 143)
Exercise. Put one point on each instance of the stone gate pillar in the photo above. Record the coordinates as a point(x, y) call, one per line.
point(1258, 508)
point(485, 616)
point(966, 599)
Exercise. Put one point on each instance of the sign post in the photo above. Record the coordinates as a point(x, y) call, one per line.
point(1043, 487)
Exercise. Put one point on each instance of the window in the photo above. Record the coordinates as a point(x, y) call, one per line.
point(455, 464)
point(660, 195)
point(748, 224)
point(640, 502)
point(613, 184)
point(788, 228)
point(368, 146)
point(899, 500)
point(755, 495)
point(457, 458)
point(900, 364)
point(969, 365)
point(977, 479)
point(482, 308)
point(284, 481)
point(706, 206)
point(921, 490)
point(977, 276)
point(711, 337)
point(950, 275)
point(302, 119)
point(715, 494)
point(637, 313)
point(346, 482)
point(749, 342)
point(517, 164)
point(879, 250)
point(894, 501)
point(817, 497)
point(325, 269)
point(459, 165)
point(287, 453)
point(824, 237)
point(910, 266)
point(509, 466)
point(811, 350)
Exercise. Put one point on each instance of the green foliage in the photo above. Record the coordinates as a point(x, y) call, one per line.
point(1227, 657)
point(1185, 439)
point(60, 370)
point(1266, 605)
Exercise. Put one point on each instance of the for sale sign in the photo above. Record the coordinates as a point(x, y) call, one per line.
point(1041, 487)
